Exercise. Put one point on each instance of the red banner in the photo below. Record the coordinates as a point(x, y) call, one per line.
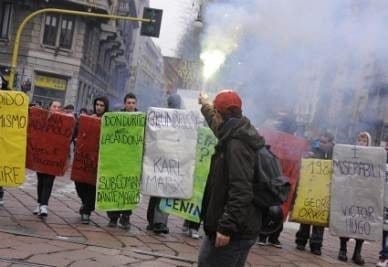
point(86, 151)
point(290, 150)
point(48, 141)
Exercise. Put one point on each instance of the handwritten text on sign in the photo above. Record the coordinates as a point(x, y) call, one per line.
point(86, 151)
point(120, 160)
point(13, 137)
point(312, 202)
point(190, 209)
point(169, 158)
point(48, 141)
point(357, 191)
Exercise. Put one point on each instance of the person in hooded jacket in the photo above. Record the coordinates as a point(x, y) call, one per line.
point(85, 191)
point(231, 221)
point(363, 139)
point(383, 259)
point(324, 150)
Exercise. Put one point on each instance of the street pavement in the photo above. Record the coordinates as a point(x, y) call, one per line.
point(61, 239)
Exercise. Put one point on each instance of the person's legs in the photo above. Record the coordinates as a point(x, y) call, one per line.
point(233, 255)
point(1, 195)
point(316, 239)
point(343, 249)
point(48, 182)
point(302, 236)
point(383, 259)
point(124, 221)
point(273, 239)
point(357, 258)
point(157, 220)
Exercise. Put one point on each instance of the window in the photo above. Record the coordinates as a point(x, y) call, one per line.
point(58, 31)
point(5, 20)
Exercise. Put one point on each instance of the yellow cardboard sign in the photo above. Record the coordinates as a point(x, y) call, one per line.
point(312, 202)
point(50, 82)
point(13, 137)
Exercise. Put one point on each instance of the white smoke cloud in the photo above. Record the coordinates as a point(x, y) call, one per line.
point(278, 50)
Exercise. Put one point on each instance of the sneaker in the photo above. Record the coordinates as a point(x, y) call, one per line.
point(37, 210)
point(43, 211)
point(382, 262)
point(194, 234)
point(124, 222)
point(160, 228)
point(357, 259)
point(185, 228)
point(275, 243)
point(317, 252)
point(112, 223)
point(342, 255)
point(300, 247)
point(85, 218)
point(1, 202)
point(150, 227)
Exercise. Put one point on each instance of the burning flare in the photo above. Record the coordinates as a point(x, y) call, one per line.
point(212, 61)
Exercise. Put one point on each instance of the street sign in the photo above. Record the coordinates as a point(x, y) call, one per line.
point(152, 28)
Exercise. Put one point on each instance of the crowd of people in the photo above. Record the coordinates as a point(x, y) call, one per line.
point(230, 220)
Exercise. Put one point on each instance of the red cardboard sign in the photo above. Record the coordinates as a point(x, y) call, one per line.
point(86, 151)
point(290, 150)
point(48, 141)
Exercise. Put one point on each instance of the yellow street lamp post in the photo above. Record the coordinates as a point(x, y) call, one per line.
point(61, 11)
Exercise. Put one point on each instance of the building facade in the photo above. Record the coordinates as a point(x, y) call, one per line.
point(69, 58)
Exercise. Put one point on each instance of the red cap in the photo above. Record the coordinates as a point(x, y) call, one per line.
point(227, 99)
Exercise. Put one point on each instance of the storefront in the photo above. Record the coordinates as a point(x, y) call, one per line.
point(48, 88)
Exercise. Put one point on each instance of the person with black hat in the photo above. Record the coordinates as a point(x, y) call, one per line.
point(231, 221)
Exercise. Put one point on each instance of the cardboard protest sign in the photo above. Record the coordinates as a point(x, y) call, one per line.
point(48, 141)
point(190, 209)
point(290, 150)
point(312, 202)
point(357, 192)
point(120, 161)
point(169, 157)
point(13, 137)
point(86, 151)
point(386, 199)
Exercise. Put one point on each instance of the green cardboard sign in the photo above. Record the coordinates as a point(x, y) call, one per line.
point(190, 209)
point(120, 161)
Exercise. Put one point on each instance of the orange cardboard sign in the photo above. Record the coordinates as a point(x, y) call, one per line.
point(48, 141)
point(86, 151)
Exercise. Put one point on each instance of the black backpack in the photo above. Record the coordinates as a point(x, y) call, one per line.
point(269, 186)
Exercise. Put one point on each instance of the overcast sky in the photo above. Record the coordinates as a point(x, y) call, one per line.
point(175, 13)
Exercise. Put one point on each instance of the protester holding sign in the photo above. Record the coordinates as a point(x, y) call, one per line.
point(383, 261)
point(123, 216)
point(46, 181)
point(323, 151)
point(87, 190)
point(157, 219)
point(363, 139)
point(231, 221)
point(13, 138)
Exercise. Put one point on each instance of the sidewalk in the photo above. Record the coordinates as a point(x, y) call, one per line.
point(61, 239)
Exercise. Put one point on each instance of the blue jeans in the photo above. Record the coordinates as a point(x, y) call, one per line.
point(233, 255)
point(384, 250)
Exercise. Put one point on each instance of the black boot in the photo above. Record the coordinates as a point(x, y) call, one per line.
point(357, 258)
point(343, 249)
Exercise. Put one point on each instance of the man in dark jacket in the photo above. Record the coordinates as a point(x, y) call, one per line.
point(323, 151)
point(86, 191)
point(123, 216)
point(231, 221)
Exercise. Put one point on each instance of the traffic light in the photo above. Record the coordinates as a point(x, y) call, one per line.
point(151, 28)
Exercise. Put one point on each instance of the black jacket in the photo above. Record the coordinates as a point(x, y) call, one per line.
point(227, 205)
